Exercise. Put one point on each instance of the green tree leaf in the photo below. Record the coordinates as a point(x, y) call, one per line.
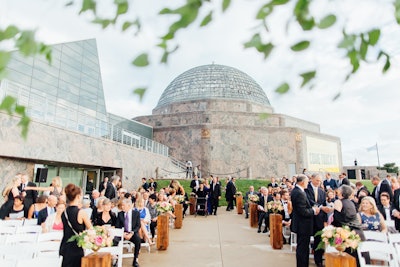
point(283, 88)
point(10, 32)
point(264, 11)
point(363, 48)
point(207, 19)
point(122, 7)
point(141, 61)
point(307, 77)
point(327, 22)
point(397, 10)
point(373, 36)
point(387, 65)
point(140, 92)
point(354, 60)
point(4, 59)
point(225, 5)
point(8, 104)
point(88, 5)
point(300, 46)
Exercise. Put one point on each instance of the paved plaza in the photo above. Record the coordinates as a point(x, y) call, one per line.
point(216, 241)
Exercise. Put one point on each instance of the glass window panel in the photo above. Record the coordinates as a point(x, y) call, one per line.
point(69, 78)
point(45, 77)
point(19, 77)
point(44, 87)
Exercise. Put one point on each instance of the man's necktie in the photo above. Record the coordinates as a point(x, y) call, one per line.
point(126, 222)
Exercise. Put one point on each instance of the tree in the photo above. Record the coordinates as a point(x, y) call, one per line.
point(390, 168)
point(359, 47)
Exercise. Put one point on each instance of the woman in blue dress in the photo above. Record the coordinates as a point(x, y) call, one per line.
point(144, 220)
point(369, 216)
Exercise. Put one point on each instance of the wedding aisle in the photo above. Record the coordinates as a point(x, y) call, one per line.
point(216, 241)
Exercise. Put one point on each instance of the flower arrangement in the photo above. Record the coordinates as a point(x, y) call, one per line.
point(163, 207)
point(338, 237)
point(274, 207)
point(93, 239)
point(254, 198)
point(179, 199)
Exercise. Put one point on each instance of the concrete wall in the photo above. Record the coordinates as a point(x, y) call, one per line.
point(48, 144)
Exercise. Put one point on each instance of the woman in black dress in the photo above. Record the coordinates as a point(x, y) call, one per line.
point(106, 216)
point(75, 221)
point(9, 193)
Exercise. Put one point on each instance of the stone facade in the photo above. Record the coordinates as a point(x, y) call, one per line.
point(47, 144)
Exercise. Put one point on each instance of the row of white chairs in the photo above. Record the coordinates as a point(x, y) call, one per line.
point(38, 261)
point(16, 223)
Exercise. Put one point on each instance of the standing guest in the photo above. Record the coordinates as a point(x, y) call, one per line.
point(345, 213)
point(111, 190)
point(41, 203)
point(86, 207)
point(195, 183)
point(17, 210)
point(129, 220)
point(54, 221)
point(302, 220)
point(103, 185)
point(50, 209)
point(55, 189)
point(317, 198)
point(396, 206)
point(395, 183)
point(215, 195)
point(370, 217)
point(144, 185)
point(329, 183)
point(9, 193)
point(380, 187)
point(201, 194)
point(262, 209)
point(230, 193)
point(89, 186)
point(75, 221)
point(30, 196)
point(246, 200)
point(153, 184)
point(189, 167)
point(360, 186)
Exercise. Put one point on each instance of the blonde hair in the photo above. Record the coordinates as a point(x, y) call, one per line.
point(374, 209)
point(10, 185)
point(56, 181)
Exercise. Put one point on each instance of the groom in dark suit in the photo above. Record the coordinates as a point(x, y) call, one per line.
point(30, 196)
point(129, 220)
point(215, 194)
point(302, 220)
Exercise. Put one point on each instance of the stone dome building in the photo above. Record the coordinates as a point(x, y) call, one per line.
point(220, 118)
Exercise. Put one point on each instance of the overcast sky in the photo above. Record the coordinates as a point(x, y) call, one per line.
point(366, 113)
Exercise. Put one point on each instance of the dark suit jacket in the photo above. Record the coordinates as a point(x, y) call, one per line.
point(42, 215)
point(193, 185)
point(230, 190)
point(110, 191)
point(384, 187)
point(261, 200)
point(246, 196)
point(303, 213)
point(31, 195)
point(216, 192)
point(382, 211)
point(154, 185)
point(332, 184)
point(135, 220)
point(396, 205)
point(321, 201)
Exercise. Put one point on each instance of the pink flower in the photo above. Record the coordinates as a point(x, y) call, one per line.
point(98, 241)
point(338, 241)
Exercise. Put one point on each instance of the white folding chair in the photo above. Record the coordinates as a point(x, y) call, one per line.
point(50, 236)
point(115, 251)
point(13, 223)
point(376, 236)
point(29, 229)
point(48, 249)
point(40, 261)
point(7, 230)
point(20, 251)
point(30, 222)
point(8, 262)
point(394, 238)
point(378, 251)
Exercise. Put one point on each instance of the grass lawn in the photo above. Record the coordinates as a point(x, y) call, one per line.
point(242, 185)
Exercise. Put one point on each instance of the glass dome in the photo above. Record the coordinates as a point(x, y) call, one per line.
point(213, 82)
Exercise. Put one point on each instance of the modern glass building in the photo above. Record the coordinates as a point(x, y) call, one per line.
point(68, 93)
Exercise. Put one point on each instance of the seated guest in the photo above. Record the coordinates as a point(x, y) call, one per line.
point(18, 210)
point(153, 215)
point(106, 216)
point(86, 207)
point(50, 209)
point(369, 216)
point(53, 221)
point(144, 221)
point(262, 209)
point(246, 200)
point(387, 211)
point(41, 203)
